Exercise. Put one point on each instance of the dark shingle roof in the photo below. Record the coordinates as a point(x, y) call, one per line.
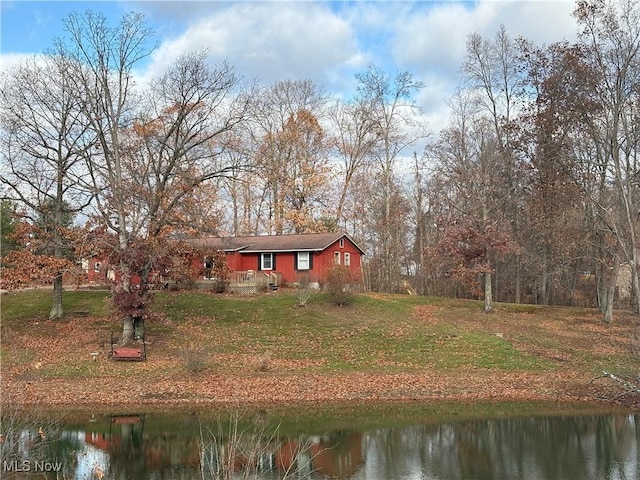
point(273, 243)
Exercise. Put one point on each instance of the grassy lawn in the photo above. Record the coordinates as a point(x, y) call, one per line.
point(195, 333)
point(35, 305)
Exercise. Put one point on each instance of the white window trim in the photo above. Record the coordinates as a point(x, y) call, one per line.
point(262, 257)
point(347, 259)
point(336, 258)
point(306, 261)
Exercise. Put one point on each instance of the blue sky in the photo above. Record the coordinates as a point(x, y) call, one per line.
point(325, 41)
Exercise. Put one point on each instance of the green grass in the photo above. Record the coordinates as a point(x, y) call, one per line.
point(376, 333)
point(359, 337)
point(33, 305)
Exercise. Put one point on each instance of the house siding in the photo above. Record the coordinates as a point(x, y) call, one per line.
point(234, 261)
point(238, 260)
point(285, 262)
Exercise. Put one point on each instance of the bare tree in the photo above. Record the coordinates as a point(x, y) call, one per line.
point(391, 110)
point(468, 158)
point(285, 124)
point(557, 241)
point(105, 57)
point(353, 139)
point(180, 141)
point(45, 136)
point(492, 75)
point(176, 148)
point(154, 155)
point(611, 35)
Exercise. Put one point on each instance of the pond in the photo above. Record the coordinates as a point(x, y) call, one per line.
point(326, 445)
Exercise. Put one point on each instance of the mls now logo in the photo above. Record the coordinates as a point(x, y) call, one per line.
point(29, 466)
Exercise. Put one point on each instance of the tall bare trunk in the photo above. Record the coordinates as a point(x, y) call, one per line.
point(127, 330)
point(57, 311)
point(611, 290)
point(488, 296)
point(518, 286)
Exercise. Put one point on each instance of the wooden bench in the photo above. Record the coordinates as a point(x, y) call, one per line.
point(129, 353)
point(132, 353)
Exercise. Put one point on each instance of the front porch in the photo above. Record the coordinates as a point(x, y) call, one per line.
point(250, 281)
point(246, 282)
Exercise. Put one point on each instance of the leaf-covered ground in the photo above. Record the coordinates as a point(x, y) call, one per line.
point(207, 349)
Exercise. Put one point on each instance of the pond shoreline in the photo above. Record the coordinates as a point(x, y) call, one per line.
point(282, 390)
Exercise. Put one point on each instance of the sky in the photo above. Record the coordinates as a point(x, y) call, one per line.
point(328, 42)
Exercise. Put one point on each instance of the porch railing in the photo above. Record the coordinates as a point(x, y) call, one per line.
point(253, 278)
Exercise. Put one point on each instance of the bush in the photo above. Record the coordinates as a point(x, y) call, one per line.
point(303, 289)
point(337, 283)
point(195, 364)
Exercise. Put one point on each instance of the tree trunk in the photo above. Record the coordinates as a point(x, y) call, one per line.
point(543, 283)
point(127, 321)
point(636, 284)
point(488, 297)
point(611, 290)
point(518, 294)
point(138, 328)
point(57, 312)
point(127, 330)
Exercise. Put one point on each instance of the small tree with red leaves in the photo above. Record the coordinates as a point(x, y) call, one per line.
point(469, 249)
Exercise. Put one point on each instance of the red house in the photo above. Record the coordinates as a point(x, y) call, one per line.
point(268, 260)
point(286, 258)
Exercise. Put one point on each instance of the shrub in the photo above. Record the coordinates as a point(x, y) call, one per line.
point(195, 364)
point(303, 289)
point(337, 283)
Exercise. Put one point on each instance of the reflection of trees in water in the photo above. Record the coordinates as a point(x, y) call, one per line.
point(135, 453)
point(542, 448)
point(233, 452)
point(606, 447)
point(229, 448)
point(28, 437)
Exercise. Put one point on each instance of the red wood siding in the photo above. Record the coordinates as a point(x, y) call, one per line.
point(326, 258)
point(285, 263)
point(234, 261)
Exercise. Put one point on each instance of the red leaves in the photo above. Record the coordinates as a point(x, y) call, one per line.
point(22, 268)
point(132, 303)
point(469, 248)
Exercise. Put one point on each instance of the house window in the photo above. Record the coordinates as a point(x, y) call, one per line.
point(336, 258)
point(347, 259)
point(97, 267)
point(303, 261)
point(342, 243)
point(266, 261)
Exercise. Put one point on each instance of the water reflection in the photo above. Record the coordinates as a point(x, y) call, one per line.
point(532, 448)
point(164, 447)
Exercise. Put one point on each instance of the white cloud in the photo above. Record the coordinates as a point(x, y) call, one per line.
point(543, 22)
point(10, 60)
point(433, 39)
point(430, 42)
point(329, 42)
point(270, 41)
